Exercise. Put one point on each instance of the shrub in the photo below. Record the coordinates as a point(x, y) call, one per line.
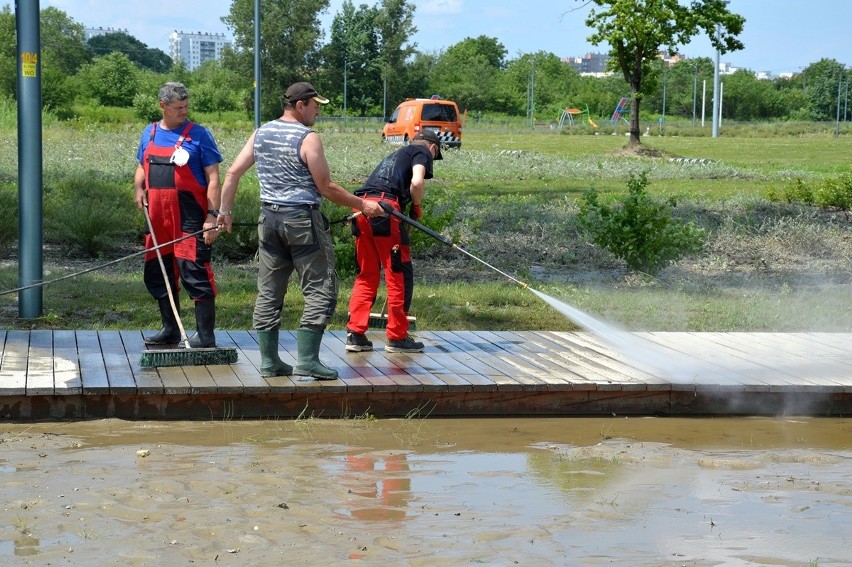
point(833, 192)
point(90, 215)
point(9, 220)
point(639, 230)
point(146, 107)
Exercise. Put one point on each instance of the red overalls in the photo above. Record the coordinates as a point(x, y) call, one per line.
point(177, 203)
point(382, 242)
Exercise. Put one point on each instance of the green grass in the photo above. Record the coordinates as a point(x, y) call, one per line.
point(118, 300)
point(509, 196)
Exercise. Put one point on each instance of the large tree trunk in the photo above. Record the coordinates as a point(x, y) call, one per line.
point(634, 121)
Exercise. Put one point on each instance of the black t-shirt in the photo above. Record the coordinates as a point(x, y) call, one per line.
point(393, 175)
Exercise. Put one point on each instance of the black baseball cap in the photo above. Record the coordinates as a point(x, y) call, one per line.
point(432, 137)
point(303, 91)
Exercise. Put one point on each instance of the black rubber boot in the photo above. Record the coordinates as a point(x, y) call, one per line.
point(205, 320)
point(308, 342)
point(170, 333)
point(270, 363)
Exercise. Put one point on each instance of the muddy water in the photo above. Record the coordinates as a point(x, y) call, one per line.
point(428, 492)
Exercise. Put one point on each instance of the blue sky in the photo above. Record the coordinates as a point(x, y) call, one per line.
point(779, 36)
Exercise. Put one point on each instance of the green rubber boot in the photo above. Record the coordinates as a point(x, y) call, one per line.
point(308, 342)
point(270, 363)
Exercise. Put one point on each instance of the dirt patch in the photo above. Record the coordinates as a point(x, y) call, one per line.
point(642, 150)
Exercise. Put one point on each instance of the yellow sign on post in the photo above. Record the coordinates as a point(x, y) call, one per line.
point(29, 64)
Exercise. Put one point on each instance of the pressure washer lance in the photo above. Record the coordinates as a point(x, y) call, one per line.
point(388, 208)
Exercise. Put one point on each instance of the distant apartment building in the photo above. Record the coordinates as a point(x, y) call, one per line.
point(194, 48)
point(589, 64)
point(92, 32)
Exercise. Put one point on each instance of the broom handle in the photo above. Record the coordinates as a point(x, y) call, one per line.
point(166, 278)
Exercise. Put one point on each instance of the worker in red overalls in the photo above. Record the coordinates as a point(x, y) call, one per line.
point(382, 243)
point(178, 181)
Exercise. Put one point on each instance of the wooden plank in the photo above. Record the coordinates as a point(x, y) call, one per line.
point(607, 366)
point(147, 378)
point(174, 380)
point(562, 370)
point(247, 367)
point(529, 370)
point(117, 364)
point(40, 363)
point(200, 380)
point(773, 351)
point(782, 363)
point(456, 367)
point(66, 364)
point(93, 374)
point(13, 366)
point(498, 372)
point(636, 352)
point(830, 344)
point(704, 367)
point(225, 375)
point(730, 354)
point(360, 364)
point(436, 359)
point(839, 341)
point(404, 369)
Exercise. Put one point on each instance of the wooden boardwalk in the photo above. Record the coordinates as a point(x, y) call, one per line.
point(96, 374)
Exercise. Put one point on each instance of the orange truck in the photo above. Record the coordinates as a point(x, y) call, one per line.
point(417, 114)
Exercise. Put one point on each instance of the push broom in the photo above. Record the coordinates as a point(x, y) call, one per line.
point(185, 356)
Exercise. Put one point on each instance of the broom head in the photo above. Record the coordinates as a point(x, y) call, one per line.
point(188, 357)
point(380, 321)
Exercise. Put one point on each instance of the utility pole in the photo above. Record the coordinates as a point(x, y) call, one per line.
point(531, 95)
point(30, 165)
point(694, 92)
point(345, 70)
point(716, 93)
point(839, 90)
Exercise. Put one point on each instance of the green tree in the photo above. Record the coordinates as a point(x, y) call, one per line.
point(820, 83)
point(683, 86)
point(290, 36)
point(414, 80)
point(750, 98)
point(8, 53)
point(353, 59)
point(468, 72)
point(64, 39)
point(553, 83)
point(63, 52)
point(216, 88)
point(111, 80)
point(396, 26)
point(792, 98)
point(154, 59)
point(637, 30)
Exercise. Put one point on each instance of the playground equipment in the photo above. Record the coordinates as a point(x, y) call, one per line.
point(568, 115)
point(621, 109)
